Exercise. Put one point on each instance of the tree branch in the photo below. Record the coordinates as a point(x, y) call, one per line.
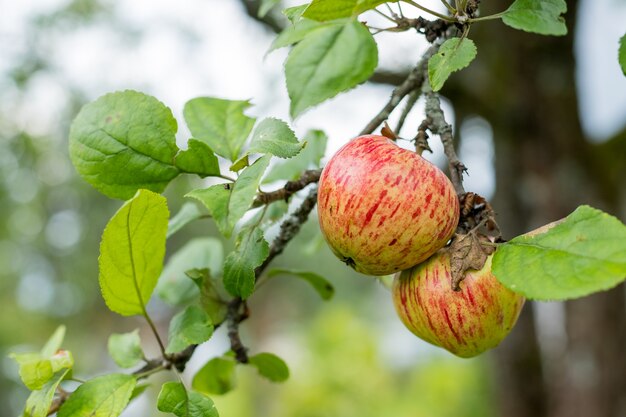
point(290, 188)
point(414, 81)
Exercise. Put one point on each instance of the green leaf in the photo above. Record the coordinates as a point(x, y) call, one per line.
point(336, 9)
point(219, 123)
point(174, 287)
point(124, 141)
point(39, 402)
point(266, 6)
point(319, 283)
point(584, 254)
point(175, 399)
point(198, 159)
point(240, 163)
point(252, 249)
point(215, 199)
point(294, 14)
point(138, 390)
point(210, 299)
point(227, 206)
point(270, 366)
point(191, 326)
point(187, 213)
point(125, 348)
point(54, 343)
point(104, 396)
point(454, 54)
point(328, 61)
point(275, 137)
point(295, 33)
point(132, 251)
point(217, 376)
point(537, 16)
point(34, 374)
point(622, 54)
point(309, 158)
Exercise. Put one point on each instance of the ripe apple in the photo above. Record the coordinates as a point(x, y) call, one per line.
point(465, 322)
point(382, 208)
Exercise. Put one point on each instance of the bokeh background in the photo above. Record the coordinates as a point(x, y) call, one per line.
point(541, 124)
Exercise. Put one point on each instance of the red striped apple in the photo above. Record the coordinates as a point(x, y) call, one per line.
point(382, 208)
point(465, 322)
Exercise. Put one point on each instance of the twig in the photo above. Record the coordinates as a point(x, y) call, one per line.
point(290, 188)
point(414, 81)
point(410, 103)
point(438, 125)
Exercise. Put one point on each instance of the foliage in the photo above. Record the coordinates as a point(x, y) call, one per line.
point(124, 145)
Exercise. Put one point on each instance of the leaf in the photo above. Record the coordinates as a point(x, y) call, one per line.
point(319, 283)
point(191, 326)
point(138, 390)
point(210, 298)
point(270, 366)
point(104, 396)
point(35, 373)
point(295, 33)
point(217, 376)
point(125, 348)
point(39, 402)
point(198, 159)
point(266, 6)
point(584, 254)
point(308, 158)
point(215, 199)
point(336, 9)
point(175, 399)
point(454, 54)
point(252, 249)
point(132, 251)
point(240, 164)
point(294, 14)
point(467, 251)
point(219, 123)
point(328, 61)
point(622, 53)
point(187, 213)
point(54, 343)
point(174, 287)
point(124, 141)
point(537, 16)
point(274, 136)
point(227, 206)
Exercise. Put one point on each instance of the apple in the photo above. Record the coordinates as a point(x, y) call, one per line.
point(382, 208)
point(465, 322)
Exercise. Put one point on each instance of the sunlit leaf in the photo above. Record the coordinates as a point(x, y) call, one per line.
point(187, 213)
point(275, 137)
point(251, 251)
point(104, 396)
point(132, 251)
point(308, 158)
point(39, 402)
point(336, 9)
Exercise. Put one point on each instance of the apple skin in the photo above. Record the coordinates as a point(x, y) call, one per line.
point(466, 322)
point(382, 208)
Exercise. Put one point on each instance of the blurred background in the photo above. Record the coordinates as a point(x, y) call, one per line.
point(541, 124)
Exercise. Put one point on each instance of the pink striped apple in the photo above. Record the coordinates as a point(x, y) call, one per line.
point(465, 322)
point(382, 208)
